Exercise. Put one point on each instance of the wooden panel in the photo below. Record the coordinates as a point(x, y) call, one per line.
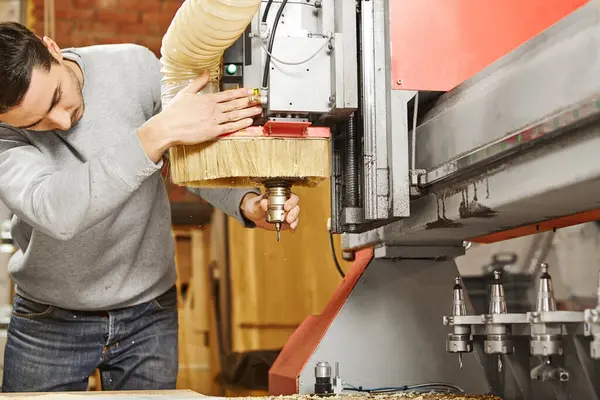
point(195, 369)
point(275, 286)
point(11, 10)
point(218, 256)
point(183, 254)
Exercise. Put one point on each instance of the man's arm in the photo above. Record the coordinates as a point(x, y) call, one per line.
point(64, 202)
point(249, 207)
point(227, 200)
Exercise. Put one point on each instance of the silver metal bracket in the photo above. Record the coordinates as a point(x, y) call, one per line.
point(555, 317)
point(418, 179)
point(592, 328)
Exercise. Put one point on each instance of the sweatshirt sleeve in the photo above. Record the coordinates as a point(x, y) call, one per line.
point(227, 200)
point(62, 202)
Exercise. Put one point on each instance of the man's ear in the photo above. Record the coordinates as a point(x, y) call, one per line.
point(53, 48)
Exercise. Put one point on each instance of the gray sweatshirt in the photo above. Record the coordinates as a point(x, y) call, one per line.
point(91, 213)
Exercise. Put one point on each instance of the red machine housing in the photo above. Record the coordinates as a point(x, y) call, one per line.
point(436, 45)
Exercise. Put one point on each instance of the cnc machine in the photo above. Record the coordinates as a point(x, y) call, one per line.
point(450, 121)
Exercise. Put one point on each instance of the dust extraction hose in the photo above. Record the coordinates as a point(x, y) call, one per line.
point(198, 36)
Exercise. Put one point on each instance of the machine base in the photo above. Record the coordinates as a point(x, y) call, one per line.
point(388, 331)
point(384, 328)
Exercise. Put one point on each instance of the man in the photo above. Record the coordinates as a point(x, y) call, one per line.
point(82, 134)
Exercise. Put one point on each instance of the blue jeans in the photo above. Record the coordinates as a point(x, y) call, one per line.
point(53, 349)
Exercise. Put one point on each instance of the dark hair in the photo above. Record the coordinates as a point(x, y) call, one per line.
point(20, 52)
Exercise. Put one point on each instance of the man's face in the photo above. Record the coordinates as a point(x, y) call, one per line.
point(54, 100)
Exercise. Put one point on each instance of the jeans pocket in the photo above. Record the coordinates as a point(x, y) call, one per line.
point(167, 300)
point(24, 308)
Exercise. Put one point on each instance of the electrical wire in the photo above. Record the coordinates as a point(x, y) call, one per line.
point(270, 2)
point(316, 53)
point(270, 46)
point(422, 386)
point(335, 259)
point(266, 12)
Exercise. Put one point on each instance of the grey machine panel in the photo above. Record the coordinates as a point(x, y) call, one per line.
point(389, 332)
point(300, 86)
point(301, 60)
point(481, 176)
point(386, 189)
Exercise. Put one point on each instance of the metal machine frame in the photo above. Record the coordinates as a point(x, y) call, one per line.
point(383, 326)
point(421, 164)
point(493, 151)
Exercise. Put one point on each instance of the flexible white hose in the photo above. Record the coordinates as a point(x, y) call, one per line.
point(198, 36)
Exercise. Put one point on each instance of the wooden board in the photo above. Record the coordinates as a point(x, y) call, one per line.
point(276, 285)
point(194, 348)
point(132, 395)
point(184, 395)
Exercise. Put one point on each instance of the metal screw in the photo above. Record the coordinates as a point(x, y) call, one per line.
point(399, 81)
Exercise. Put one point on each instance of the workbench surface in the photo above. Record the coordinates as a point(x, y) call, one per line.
point(100, 395)
point(190, 395)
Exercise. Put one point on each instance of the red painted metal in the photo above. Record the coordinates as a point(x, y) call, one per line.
point(438, 44)
point(543, 226)
point(283, 129)
point(283, 375)
point(286, 129)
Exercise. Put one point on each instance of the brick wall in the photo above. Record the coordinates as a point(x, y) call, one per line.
point(87, 22)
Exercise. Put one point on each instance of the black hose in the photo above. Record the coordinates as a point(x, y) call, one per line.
point(270, 46)
point(267, 8)
point(335, 259)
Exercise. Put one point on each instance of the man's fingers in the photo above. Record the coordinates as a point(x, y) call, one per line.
point(232, 127)
point(291, 202)
point(228, 95)
point(293, 215)
point(236, 104)
point(294, 226)
point(264, 204)
point(238, 115)
point(197, 84)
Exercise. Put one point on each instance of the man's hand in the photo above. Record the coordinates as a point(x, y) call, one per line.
point(190, 118)
point(254, 208)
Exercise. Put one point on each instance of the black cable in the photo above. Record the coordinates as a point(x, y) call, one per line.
point(335, 260)
point(270, 2)
point(430, 386)
point(270, 46)
point(267, 8)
